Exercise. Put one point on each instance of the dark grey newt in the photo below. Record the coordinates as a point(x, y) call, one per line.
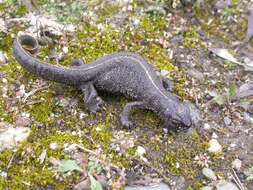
point(123, 72)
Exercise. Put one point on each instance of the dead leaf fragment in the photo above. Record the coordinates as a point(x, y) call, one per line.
point(249, 33)
point(3, 27)
point(83, 185)
point(245, 90)
point(48, 23)
point(23, 121)
point(43, 156)
point(224, 53)
point(11, 137)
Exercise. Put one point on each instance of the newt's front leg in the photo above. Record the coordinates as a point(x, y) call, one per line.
point(91, 98)
point(167, 84)
point(124, 117)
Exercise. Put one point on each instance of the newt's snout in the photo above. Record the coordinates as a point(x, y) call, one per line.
point(180, 118)
point(184, 114)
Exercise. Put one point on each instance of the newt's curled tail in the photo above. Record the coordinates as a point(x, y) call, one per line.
point(25, 45)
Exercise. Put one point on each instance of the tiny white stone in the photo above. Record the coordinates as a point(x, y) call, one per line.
point(207, 172)
point(82, 115)
point(2, 58)
point(237, 164)
point(224, 185)
point(73, 133)
point(100, 26)
point(207, 126)
point(3, 174)
point(140, 150)
point(53, 146)
point(136, 22)
point(214, 146)
point(164, 73)
point(232, 145)
point(214, 135)
point(65, 49)
point(4, 80)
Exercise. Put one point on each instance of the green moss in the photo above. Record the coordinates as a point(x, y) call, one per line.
point(152, 27)
point(103, 135)
point(180, 160)
point(191, 38)
point(25, 171)
point(13, 7)
point(241, 29)
point(159, 57)
point(41, 112)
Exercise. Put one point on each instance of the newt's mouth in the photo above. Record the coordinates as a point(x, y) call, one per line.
point(177, 126)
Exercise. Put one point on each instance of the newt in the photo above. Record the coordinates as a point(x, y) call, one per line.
point(125, 73)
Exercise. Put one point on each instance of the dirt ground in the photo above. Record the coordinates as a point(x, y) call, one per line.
point(204, 47)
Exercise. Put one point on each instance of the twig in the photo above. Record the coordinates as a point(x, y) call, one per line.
point(166, 179)
point(10, 162)
point(26, 183)
point(34, 91)
point(237, 180)
point(99, 160)
point(34, 102)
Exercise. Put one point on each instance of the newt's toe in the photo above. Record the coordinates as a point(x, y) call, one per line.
point(96, 105)
point(126, 123)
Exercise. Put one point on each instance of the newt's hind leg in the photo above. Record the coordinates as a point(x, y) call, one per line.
point(91, 98)
point(77, 62)
point(124, 117)
point(167, 84)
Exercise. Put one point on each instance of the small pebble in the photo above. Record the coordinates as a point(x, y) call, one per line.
point(224, 185)
point(65, 50)
point(53, 146)
point(164, 73)
point(232, 145)
point(4, 80)
point(236, 164)
point(83, 115)
point(136, 22)
point(140, 150)
point(196, 74)
point(3, 174)
point(3, 59)
point(214, 136)
point(214, 146)
point(208, 173)
point(227, 121)
point(206, 126)
point(247, 118)
point(23, 121)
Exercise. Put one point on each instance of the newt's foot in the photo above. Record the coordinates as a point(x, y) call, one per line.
point(126, 123)
point(94, 105)
point(167, 84)
point(91, 98)
point(124, 118)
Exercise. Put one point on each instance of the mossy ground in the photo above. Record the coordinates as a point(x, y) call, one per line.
point(175, 153)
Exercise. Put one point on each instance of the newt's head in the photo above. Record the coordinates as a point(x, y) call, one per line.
point(178, 116)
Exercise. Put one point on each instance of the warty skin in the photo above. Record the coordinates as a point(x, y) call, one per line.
point(126, 73)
